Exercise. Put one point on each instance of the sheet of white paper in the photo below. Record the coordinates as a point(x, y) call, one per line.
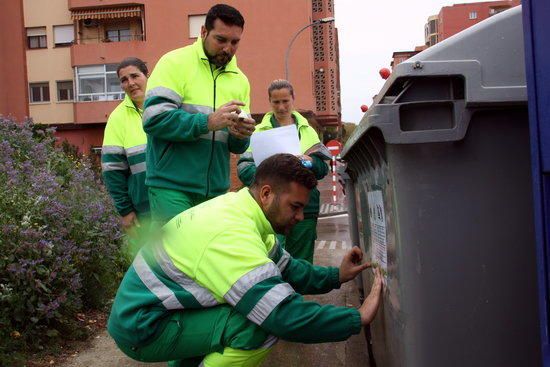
point(284, 139)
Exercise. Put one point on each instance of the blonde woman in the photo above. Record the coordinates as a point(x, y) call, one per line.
point(301, 240)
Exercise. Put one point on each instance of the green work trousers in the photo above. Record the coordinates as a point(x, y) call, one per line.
point(166, 203)
point(217, 336)
point(300, 242)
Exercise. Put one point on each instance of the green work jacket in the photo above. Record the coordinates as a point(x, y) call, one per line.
point(123, 159)
point(182, 154)
point(224, 251)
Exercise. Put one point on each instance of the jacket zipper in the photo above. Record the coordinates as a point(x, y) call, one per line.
point(213, 137)
point(213, 132)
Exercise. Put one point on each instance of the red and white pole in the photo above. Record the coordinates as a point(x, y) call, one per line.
point(334, 193)
point(335, 147)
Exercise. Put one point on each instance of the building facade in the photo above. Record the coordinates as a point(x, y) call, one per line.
point(13, 68)
point(431, 29)
point(451, 20)
point(399, 56)
point(67, 52)
point(456, 18)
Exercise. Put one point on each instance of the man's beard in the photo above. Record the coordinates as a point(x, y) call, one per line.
point(220, 59)
point(272, 214)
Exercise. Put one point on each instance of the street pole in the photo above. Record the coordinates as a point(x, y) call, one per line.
point(319, 21)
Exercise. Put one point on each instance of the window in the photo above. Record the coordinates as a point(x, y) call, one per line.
point(98, 83)
point(63, 35)
point(494, 11)
point(118, 35)
point(473, 15)
point(39, 92)
point(433, 26)
point(36, 37)
point(65, 90)
point(195, 24)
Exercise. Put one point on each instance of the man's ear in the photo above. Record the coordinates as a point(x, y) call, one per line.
point(266, 195)
point(204, 32)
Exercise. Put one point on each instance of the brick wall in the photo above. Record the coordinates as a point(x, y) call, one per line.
point(236, 184)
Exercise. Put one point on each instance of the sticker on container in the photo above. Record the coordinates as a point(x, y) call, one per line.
point(378, 230)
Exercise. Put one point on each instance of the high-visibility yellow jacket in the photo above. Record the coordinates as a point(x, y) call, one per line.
point(224, 251)
point(309, 144)
point(182, 154)
point(123, 159)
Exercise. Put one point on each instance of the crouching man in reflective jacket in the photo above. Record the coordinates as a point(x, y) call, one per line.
point(218, 290)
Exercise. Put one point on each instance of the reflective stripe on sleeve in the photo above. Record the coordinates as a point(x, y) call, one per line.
point(274, 249)
point(270, 341)
point(138, 168)
point(243, 165)
point(153, 283)
point(201, 294)
point(283, 261)
point(320, 149)
point(164, 92)
point(220, 135)
point(112, 149)
point(138, 149)
point(157, 109)
point(114, 166)
point(268, 302)
point(247, 155)
point(196, 108)
point(249, 280)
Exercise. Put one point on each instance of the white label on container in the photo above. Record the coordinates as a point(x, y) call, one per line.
point(378, 229)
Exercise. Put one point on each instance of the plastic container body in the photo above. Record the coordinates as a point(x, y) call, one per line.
point(441, 171)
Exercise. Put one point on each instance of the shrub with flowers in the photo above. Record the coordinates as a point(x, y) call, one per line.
point(60, 242)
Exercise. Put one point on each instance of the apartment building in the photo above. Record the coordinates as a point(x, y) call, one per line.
point(13, 68)
point(65, 54)
point(399, 56)
point(451, 20)
point(455, 18)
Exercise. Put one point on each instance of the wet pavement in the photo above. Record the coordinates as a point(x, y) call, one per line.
point(332, 243)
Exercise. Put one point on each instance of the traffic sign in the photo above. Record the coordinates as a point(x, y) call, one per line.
point(334, 146)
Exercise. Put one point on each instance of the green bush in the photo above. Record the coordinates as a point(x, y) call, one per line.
point(60, 242)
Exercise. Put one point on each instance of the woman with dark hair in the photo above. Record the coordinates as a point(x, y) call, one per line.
point(300, 242)
point(124, 145)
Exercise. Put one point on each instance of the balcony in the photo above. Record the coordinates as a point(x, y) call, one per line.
point(90, 4)
point(497, 9)
point(93, 112)
point(106, 52)
point(107, 34)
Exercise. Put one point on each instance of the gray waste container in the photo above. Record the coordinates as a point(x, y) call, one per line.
point(440, 168)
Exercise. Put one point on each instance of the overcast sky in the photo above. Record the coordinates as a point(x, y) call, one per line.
point(369, 32)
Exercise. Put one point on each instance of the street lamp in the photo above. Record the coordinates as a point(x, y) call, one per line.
point(318, 21)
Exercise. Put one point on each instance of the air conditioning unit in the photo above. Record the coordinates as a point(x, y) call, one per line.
point(89, 23)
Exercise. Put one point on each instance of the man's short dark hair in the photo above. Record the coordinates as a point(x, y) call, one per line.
point(133, 61)
point(280, 170)
point(227, 14)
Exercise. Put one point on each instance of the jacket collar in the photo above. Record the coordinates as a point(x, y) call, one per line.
point(127, 101)
point(301, 121)
point(255, 212)
point(199, 49)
